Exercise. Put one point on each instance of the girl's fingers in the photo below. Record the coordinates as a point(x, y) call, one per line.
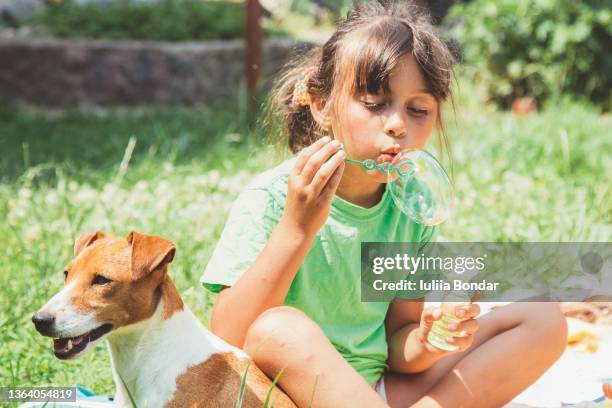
point(326, 171)
point(468, 311)
point(317, 159)
point(307, 152)
point(329, 189)
point(429, 316)
point(468, 326)
point(462, 342)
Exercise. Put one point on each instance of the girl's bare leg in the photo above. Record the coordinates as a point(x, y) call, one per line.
point(513, 346)
point(285, 338)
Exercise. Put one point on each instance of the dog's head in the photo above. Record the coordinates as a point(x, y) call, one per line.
point(111, 282)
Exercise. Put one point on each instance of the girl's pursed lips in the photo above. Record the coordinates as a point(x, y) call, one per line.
point(385, 157)
point(392, 150)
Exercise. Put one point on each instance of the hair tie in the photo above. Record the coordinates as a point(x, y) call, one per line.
point(301, 97)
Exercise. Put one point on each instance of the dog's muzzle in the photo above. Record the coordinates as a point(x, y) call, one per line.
point(44, 323)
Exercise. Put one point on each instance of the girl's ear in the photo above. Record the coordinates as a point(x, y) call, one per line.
point(319, 113)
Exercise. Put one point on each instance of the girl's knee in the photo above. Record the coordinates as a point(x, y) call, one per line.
point(279, 328)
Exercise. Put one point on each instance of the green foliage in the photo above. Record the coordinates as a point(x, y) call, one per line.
point(240, 396)
point(166, 20)
point(130, 396)
point(541, 178)
point(539, 48)
point(338, 8)
point(173, 134)
point(269, 402)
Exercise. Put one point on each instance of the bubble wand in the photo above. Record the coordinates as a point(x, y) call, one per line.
point(384, 167)
point(418, 185)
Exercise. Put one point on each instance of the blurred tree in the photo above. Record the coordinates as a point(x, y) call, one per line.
point(541, 49)
point(437, 8)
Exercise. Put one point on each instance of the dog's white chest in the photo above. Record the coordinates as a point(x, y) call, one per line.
point(148, 357)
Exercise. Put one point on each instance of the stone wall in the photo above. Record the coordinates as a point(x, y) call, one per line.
point(75, 73)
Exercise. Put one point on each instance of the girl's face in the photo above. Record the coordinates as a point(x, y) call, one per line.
point(380, 126)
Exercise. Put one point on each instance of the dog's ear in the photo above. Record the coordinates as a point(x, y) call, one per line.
point(86, 240)
point(149, 252)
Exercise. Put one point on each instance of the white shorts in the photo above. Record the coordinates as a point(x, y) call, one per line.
point(379, 387)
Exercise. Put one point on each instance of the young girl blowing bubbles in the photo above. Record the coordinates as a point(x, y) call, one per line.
point(287, 266)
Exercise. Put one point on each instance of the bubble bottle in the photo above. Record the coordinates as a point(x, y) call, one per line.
point(439, 331)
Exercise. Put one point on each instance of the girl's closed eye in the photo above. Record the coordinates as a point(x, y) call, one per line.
point(373, 106)
point(418, 112)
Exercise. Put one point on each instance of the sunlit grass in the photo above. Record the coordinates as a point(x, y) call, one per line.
point(545, 177)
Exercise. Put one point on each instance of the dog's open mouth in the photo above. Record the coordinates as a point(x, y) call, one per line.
point(69, 347)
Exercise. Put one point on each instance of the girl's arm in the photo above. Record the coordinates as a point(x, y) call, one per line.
point(311, 188)
point(408, 325)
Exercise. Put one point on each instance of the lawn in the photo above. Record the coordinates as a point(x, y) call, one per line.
point(175, 172)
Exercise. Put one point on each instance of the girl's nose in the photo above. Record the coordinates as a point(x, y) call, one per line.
point(395, 125)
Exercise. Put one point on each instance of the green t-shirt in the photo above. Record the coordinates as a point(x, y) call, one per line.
point(327, 284)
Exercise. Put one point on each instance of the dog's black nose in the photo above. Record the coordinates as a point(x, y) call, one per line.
point(43, 322)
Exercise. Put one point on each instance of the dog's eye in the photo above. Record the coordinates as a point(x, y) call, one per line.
point(65, 274)
point(100, 280)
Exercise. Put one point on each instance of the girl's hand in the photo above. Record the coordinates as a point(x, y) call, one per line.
point(312, 185)
point(465, 329)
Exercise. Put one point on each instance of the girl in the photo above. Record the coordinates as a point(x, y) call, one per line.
point(287, 265)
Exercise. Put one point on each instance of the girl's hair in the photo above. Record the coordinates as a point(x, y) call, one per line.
point(359, 58)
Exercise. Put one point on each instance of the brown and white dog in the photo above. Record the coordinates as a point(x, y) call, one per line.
point(118, 288)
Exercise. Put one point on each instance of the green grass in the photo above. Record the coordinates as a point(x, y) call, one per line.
point(545, 177)
point(167, 20)
point(184, 172)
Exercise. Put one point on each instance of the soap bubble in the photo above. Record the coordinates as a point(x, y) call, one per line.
point(420, 187)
